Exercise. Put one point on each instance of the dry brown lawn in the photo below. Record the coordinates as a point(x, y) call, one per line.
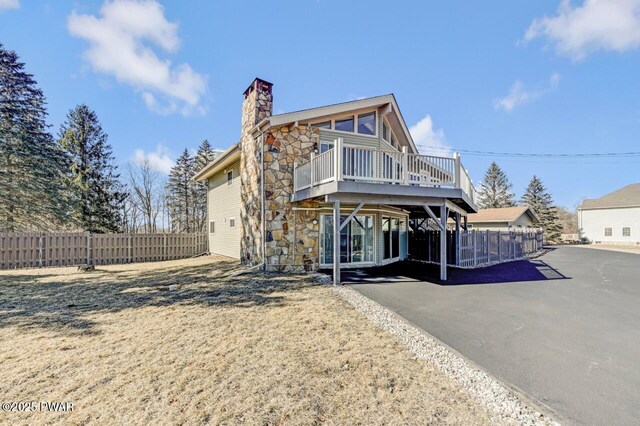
point(252, 349)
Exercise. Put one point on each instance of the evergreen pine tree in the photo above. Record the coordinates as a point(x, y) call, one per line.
point(31, 165)
point(92, 179)
point(180, 193)
point(203, 157)
point(537, 197)
point(495, 189)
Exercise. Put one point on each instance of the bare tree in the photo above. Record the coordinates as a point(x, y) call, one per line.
point(130, 215)
point(146, 187)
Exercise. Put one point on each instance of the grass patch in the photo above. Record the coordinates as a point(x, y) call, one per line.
point(223, 349)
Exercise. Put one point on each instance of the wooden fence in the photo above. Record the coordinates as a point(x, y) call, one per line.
point(37, 249)
point(474, 249)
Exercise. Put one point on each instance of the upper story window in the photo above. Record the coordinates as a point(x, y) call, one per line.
point(344, 125)
point(367, 123)
point(229, 177)
point(364, 124)
point(323, 125)
point(385, 132)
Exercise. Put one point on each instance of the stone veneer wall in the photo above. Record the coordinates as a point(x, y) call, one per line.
point(292, 237)
point(257, 105)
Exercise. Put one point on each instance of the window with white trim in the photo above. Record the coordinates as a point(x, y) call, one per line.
point(323, 125)
point(212, 227)
point(345, 124)
point(232, 222)
point(608, 232)
point(356, 239)
point(367, 123)
point(229, 177)
point(626, 231)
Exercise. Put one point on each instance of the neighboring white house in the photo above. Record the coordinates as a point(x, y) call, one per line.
point(504, 219)
point(612, 219)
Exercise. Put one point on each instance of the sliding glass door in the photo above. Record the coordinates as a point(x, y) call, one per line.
point(356, 240)
point(391, 237)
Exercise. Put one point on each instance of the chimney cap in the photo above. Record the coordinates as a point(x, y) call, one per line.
point(258, 82)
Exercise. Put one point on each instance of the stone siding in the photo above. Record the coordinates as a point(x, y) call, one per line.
point(292, 237)
point(291, 234)
point(257, 105)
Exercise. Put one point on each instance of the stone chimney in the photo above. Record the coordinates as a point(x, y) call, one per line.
point(256, 106)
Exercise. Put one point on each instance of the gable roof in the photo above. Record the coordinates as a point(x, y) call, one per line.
point(505, 214)
point(223, 160)
point(629, 196)
point(323, 111)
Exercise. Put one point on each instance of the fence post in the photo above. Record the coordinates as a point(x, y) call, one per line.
point(88, 240)
point(499, 246)
point(511, 255)
point(40, 250)
point(475, 247)
point(488, 246)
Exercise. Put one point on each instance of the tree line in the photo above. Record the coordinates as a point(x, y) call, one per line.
point(71, 181)
point(494, 191)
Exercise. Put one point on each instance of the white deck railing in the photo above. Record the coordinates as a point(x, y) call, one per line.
point(361, 164)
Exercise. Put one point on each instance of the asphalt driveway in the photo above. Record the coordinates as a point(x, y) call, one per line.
point(564, 328)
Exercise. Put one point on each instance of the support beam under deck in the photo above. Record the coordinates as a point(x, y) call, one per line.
point(444, 213)
point(336, 242)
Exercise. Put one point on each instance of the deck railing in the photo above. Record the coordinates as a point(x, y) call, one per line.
point(361, 164)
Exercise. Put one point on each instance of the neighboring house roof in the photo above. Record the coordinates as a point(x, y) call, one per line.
point(327, 110)
point(629, 196)
point(505, 214)
point(222, 161)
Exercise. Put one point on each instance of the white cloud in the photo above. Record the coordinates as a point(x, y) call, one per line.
point(518, 95)
point(428, 138)
point(9, 4)
point(160, 159)
point(120, 44)
point(595, 25)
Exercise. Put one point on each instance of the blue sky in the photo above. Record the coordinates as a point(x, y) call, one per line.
point(535, 76)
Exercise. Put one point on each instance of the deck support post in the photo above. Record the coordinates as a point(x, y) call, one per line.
point(443, 241)
point(336, 242)
point(457, 217)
